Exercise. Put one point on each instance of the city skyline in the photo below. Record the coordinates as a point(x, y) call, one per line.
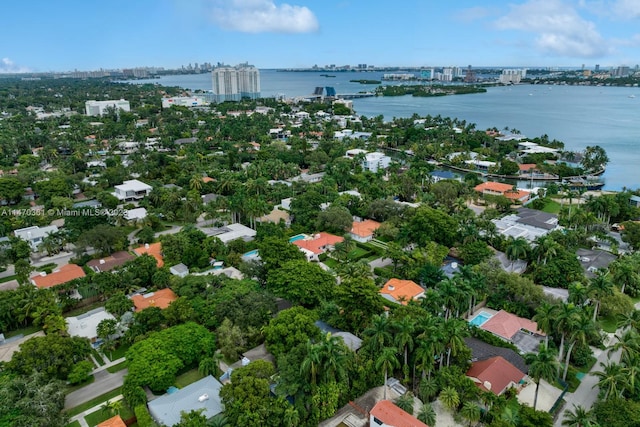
point(47, 36)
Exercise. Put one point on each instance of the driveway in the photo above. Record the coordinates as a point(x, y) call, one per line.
point(104, 383)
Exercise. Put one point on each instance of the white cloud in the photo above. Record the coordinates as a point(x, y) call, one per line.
point(261, 16)
point(8, 66)
point(559, 29)
point(627, 9)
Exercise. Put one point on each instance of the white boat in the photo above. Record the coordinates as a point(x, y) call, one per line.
point(632, 96)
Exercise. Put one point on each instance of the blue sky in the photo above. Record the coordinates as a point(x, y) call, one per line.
point(46, 35)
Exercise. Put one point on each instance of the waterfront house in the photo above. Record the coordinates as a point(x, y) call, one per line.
point(492, 188)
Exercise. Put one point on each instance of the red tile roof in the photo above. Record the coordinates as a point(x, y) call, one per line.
point(364, 228)
point(504, 189)
point(64, 274)
point(495, 374)
point(505, 325)
point(113, 422)
point(319, 243)
point(160, 299)
point(153, 249)
point(527, 167)
point(392, 415)
point(402, 290)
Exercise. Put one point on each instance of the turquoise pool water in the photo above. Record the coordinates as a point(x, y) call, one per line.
point(296, 238)
point(251, 253)
point(480, 319)
point(172, 390)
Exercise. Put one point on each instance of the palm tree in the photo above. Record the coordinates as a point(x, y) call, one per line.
point(470, 412)
point(510, 415)
point(291, 417)
point(403, 336)
point(583, 330)
point(579, 417)
point(455, 331)
point(517, 249)
point(387, 361)
point(427, 389)
point(195, 183)
point(599, 287)
point(449, 398)
point(112, 407)
point(542, 365)
point(405, 402)
point(629, 345)
point(427, 414)
point(378, 333)
point(450, 295)
point(566, 317)
point(333, 358)
point(545, 318)
point(612, 377)
point(311, 363)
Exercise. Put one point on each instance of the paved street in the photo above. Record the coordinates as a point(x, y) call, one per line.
point(586, 394)
point(104, 383)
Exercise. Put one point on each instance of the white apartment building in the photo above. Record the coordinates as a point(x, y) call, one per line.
point(513, 76)
point(235, 83)
point(98, 108)
point(184, 101)
point(375, 161)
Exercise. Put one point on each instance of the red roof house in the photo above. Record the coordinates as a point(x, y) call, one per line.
point(64, 274)
point(363, 231)
point(386, 413)
point(500, 189)
point(160, 299)
point(506, 325)
point(317, 245)
point(495, 375)
point(153, 249)
point(401, 291)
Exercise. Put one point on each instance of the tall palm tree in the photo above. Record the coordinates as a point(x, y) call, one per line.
point(517, 249)
point(333, 358)
point(611, 379)
point(542, 365)
point(579, 417)
point(403, 336)
point(379, 333)
point(455, 331)
point(583, 330)
point(629, 345)
point(387, 361)
point(405, 402)
point(600, 286)
point(566, 316)
point(310, 365)
point(545, 318)
point(450, 295)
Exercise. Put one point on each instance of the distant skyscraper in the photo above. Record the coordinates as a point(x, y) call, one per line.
point(597, 68)
point(235, 83)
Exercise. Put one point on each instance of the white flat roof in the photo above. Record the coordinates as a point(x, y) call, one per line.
point(86, 325)
point(133, 185)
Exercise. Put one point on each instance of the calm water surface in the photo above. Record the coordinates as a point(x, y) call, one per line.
point(577, 115)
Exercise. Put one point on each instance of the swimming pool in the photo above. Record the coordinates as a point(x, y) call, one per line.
point(172, 390)
point(251, 254)
point(480, 318)
point(297, 237)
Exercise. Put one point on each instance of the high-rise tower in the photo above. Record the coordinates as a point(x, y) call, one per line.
point(235, 83)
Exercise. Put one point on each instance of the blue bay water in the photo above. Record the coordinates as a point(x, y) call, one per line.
point(579, 116)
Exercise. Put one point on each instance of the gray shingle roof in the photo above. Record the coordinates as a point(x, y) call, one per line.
point(480, 350)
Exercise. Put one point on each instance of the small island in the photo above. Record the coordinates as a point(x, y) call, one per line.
point(366, 81)
point(425, 91)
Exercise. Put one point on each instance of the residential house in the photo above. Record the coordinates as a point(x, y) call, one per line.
point(115, 260)
point(480, 351)
point(161, 299)
point(401, 291)
point(202, 395)
point(113, 422)
point(373, 162)
point(35, 235)
point(593, 260)
point(495, 375)
point(386, 414)
point(317, 244)
point(523, 333)
point(137, 214)
point(64, 274)
point(152, 249)
point(363, 231)
point(86, 325)
point(500, 189)
point(179, 270)
point(132, 190)
point(275, 216)
point(353, 342)
point(527, 223)
point(230, 232)
point(439, 175)
point(634, 201)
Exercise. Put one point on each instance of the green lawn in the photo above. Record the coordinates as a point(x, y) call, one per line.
point(188, 377)
point(608, 324)
point(119, 367)
point(97, 356)
point(74, 424)
point(94, 402)
point(331, 263)
point(99, 416)
point(8, 278)
point(118, 352)
point(358, 253)
point(552, 207)
point(24, 331)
